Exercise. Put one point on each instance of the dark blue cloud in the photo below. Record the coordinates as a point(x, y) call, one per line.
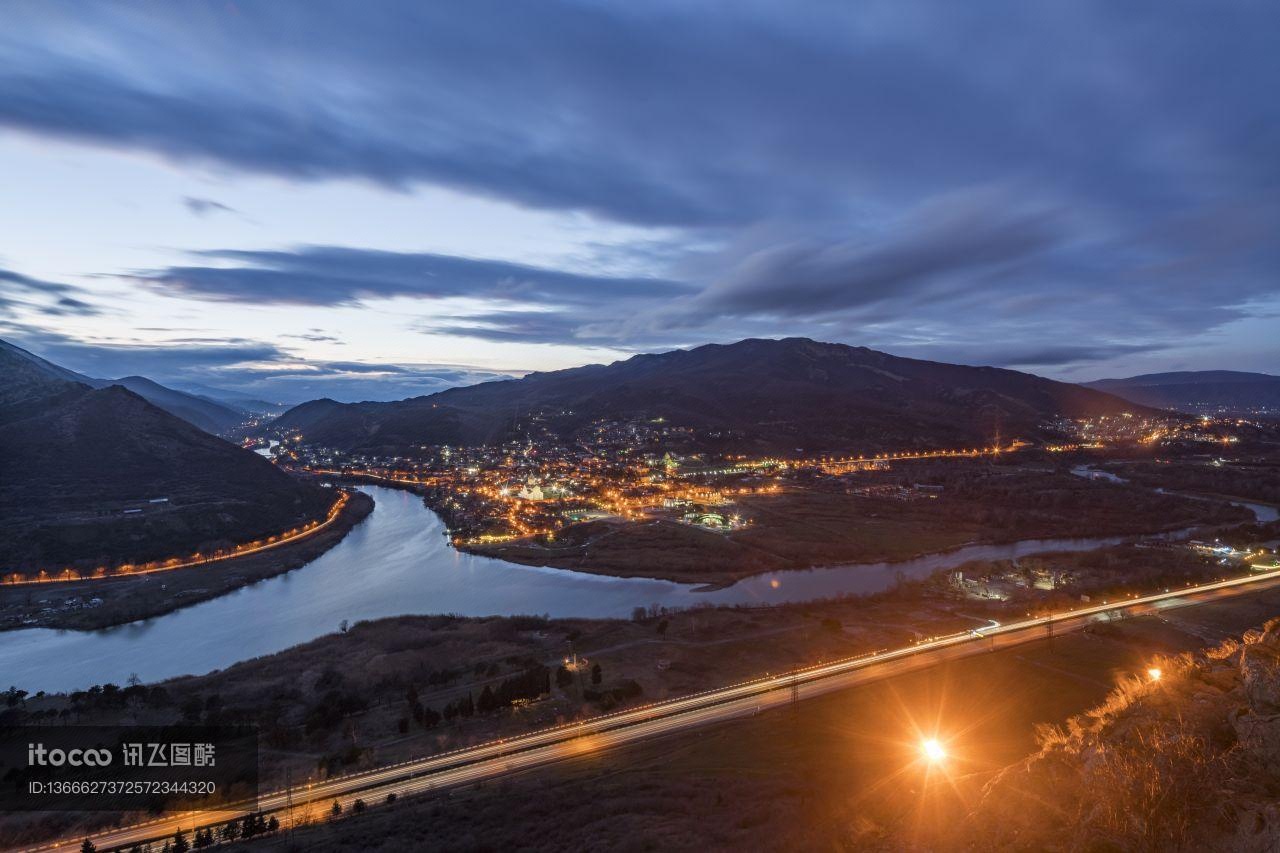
point(250, 368)
point(936, 176)
point(50, 298)
point(672, 113)
point(332, 275)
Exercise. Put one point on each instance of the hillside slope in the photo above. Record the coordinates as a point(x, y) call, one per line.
point(28, 384)
point(1199, 392)
point(209, 415)
point(74, 461)
point(779, 395)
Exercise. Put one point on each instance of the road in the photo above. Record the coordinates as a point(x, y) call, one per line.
point(68, 577)
point(510, 755)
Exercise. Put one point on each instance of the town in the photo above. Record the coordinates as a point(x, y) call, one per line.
point(643, 470)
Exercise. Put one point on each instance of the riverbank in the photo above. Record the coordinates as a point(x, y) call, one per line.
point(105, 602)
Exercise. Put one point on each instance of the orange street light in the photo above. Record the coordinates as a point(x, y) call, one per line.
point(933, 750)
point(1154, 673)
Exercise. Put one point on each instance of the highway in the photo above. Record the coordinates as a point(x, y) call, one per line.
point(515, 754)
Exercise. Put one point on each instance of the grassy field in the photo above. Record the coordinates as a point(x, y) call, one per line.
point(1257, 480)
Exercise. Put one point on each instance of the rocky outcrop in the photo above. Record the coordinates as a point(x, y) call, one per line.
point(1260, 668)
point(1191, 762)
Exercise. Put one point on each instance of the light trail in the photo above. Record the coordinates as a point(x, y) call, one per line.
point(510, 755)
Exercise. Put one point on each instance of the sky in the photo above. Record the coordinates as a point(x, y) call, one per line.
point(372, 201)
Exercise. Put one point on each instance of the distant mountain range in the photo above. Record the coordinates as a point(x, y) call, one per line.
point(767, 395)
point(1199, 392)
point(233, 399)
point(208, 413)
point(91, 475)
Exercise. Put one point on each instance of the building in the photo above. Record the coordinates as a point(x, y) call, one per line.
point(531, 491)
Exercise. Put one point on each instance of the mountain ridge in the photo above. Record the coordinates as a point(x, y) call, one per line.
point(208, 414)
point(1199, 391)
point(793, 393)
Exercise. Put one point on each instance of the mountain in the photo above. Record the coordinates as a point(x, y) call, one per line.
point(778, 395)
point(1199, 392)
point(210, 415)
point(74, 459)
point(28, 383)
point(233, 399)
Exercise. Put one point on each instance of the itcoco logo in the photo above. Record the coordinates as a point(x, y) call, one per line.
point(39, 756)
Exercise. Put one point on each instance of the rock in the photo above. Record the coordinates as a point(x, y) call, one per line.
point(1260, 668)
point(1223, 678)
point(1257, 829)
point(1258, 735)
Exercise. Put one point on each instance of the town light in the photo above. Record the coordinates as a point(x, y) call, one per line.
point(1154, 673)
point(933, 751)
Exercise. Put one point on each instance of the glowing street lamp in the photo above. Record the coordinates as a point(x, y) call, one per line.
point(1154, 673)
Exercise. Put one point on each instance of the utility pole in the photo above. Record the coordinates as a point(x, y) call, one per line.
point(288, 798)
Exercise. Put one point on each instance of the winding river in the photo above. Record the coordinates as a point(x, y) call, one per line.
point(1264, 513)
point(399, 562)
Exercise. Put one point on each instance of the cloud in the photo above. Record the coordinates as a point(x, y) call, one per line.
point(253, 368)
point(205, 206)
point(315, 336)
point(678, 114)
point(1029, 356)
point(537, 327)
point(22, 292)
point(982, 276)
point(1035, 184)
point(944, 247)
point(169, 359)
point(333, 275)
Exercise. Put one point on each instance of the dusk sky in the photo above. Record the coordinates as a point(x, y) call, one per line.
point(299, 199)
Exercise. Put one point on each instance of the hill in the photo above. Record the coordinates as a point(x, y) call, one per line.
point(1199, 392)
point(210, 415)
point(765, 395)
point(29, 384)
point(92, 476)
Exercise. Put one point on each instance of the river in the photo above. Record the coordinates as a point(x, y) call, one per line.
point(399, 562)
point(1264, 513)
